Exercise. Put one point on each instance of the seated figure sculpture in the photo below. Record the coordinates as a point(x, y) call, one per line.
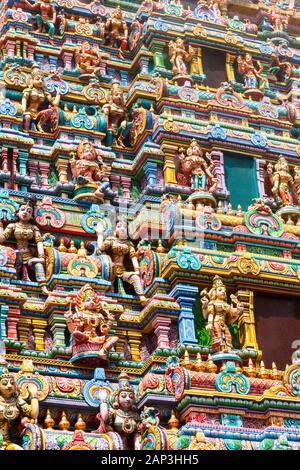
point(90, 325)
point(218, 313)
point(46, 16)
point(88, 59)
point(122, 253)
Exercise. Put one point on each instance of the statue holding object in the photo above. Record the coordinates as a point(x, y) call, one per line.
point(46, 16)
point(116, 31)
point(282, 182)
point(116, 113)
point(219, 313)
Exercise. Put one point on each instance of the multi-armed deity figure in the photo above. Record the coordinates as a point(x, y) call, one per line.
point(88, 168)
point(178, 58)
point(90, 324)
point(34, 97)
point(282, 181)
point(251, 74)
point(88, 59)
point(281, 69)
point(115, 113)
point(121, 416)
point(218, 313)
point(195, 170)
point(116, 31)
point(123, 254)
point(13, 409)
point(25, 232)
point(46, 16)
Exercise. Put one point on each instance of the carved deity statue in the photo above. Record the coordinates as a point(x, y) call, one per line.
point(14, 410)
point(179, 55)
point(281, 69)
point(250, 72)
point(25, 232)
point(195, 170)
point(282, 181)
point(218, 313)
point(121, 416)
point(123, 255)
point(116, 112)
point(88, 59)
point(91, 323)
point(88, 167)
point(116, 31)
point(34, 98)
point(46, 16)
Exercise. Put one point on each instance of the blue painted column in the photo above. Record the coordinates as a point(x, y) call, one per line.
point(53, 63)
point(3, 317)
point(186, 296)
point(124, 77)
point(150, 169)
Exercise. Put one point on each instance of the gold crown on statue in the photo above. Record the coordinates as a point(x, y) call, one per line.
point(217, 282)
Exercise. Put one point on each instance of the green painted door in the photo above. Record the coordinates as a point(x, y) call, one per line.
point(241, 180)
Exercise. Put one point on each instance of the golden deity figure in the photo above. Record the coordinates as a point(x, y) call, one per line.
point(88, 59)
point(14, 411)
point(46, 16)
point(218, 313)
point(115, 112)
point(178, 56)
point(116, 31)
point(195, 170)
point(25, 232)
point(121, 416)
point(88, 167)
point(34, 97)
point(123, 255)
point(282, 181)
point(90, 324)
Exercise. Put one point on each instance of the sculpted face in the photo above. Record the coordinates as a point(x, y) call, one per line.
point(87, 152)
point(126, 400)
point(25, 213)
point(90, 302)
point(121, 231)
point(7, 387)
point(37, 80)
point(221, 293)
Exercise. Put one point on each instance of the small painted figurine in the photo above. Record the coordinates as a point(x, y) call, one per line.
point(282, 181)
point(116, 112)
point(195, 170)
point(88, 59)
point(116, 31)
point(88, 167)
point(91, 323)
point(123, 254)
point(251, 73)
point(218, 313)
point(122, 417)
point(34, 97)
point(178, 56)
point(281, 70)
point(25, 232)
point(45, 17)
point(13, 410)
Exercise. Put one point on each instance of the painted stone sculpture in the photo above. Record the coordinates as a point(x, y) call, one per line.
point(116, 31)
point(121, 416)
point(88, 59)
point(122, 253)
point(24, 232)
point(90, 326)
point(251, 74)
point(34, 97)
point(178, 58)
point(14, 410)
point(46, 16)
point(89, 171)
point(282, 182)
point(219, 313)
point(115, 113)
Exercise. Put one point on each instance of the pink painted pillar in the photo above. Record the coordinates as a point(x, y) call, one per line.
point(67, 59)
point(261, 171)
point(126, 185)
point(12, 322)
point(10, 48)
point(44, 170)
point(115, 181)
point(14, 169)
point(30, 52)
point(32, 168)
point(161, 329)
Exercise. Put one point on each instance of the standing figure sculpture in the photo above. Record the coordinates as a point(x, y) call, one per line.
point(123, 254)
point(178, 57)
point(281, 70)
point(251, 74)
point(89, 169)
point(115, 113)
point(90, 325)
point(24, 232)
point(13, 410)
point(34, 98)
point(282, 182)
point(121, 416)
point(218, 313)
point(46, 16)
point(195, 170)
point(116, 31)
